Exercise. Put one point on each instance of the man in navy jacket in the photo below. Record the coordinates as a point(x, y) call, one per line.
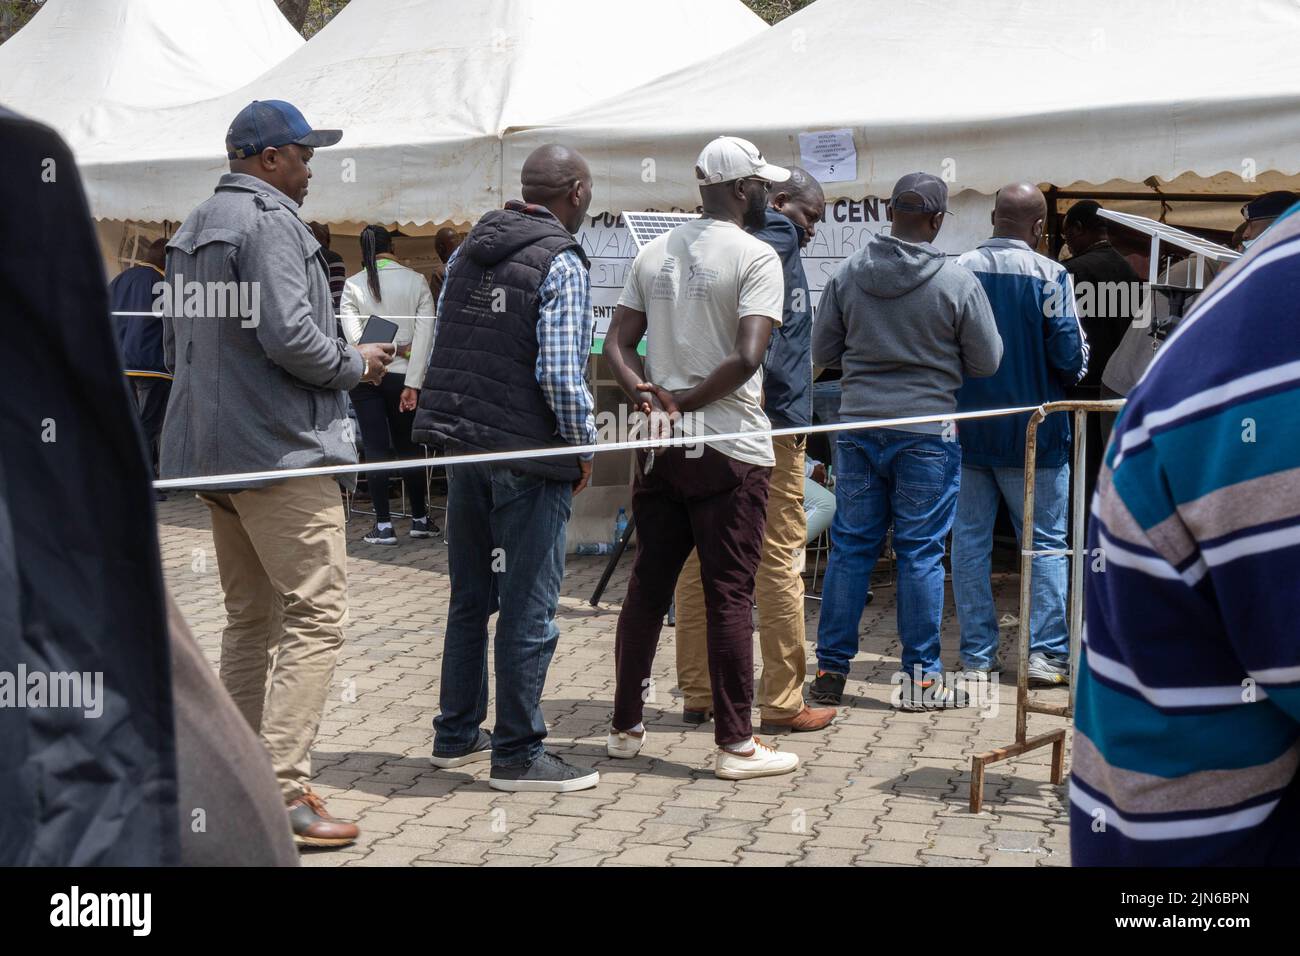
point(140, 338)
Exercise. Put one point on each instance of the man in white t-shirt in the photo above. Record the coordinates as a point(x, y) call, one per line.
point(706, 296)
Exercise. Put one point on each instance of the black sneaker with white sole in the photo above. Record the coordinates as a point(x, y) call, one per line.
point(546, 773)
point(424, 528)
point(482, 750)
point(828, 688)
point(378, 535)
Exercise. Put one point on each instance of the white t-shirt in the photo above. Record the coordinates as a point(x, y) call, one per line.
point(694, 283)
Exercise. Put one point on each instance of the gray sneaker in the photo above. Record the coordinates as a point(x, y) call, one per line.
point(986, 671)
point(547, 773)
point(1047, 671)
point(482, 750)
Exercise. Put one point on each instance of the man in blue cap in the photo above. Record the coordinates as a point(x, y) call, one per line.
point(260, 376)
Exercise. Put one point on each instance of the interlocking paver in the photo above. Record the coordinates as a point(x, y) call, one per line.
point(876, 788)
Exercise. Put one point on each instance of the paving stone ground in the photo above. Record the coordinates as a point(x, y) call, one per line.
point(877, 788)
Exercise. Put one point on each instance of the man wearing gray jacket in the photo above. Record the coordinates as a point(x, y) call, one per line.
point(260, 374)
point(904, 325)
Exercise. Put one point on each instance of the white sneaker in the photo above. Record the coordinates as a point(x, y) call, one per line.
point(1047, 671)
point(764, 761)
point(624, 744)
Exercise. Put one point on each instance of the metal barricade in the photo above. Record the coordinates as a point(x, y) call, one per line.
point(1025, 705)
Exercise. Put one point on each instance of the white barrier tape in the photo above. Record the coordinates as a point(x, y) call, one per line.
point(215, 481)
point(337, 315)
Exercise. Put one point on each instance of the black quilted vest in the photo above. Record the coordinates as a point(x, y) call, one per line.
point(480, 391)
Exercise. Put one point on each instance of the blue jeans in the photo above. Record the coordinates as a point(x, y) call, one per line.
point(886, 476)
point(972, 547)
point(506, 551)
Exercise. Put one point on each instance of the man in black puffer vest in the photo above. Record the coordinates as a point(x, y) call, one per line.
point(507, 372)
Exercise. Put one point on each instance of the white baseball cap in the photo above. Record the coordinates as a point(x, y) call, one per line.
point(728, 158)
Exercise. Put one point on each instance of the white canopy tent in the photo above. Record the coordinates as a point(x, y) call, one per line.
point(422, 90)
point(980, 91)
point(77, 58)
point(1183, 96)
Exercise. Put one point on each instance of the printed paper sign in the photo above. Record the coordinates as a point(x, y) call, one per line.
point(829, 155)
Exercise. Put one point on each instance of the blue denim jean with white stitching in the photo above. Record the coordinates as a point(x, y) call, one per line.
point(889, 477)
point(972, 559)
point(506, 551)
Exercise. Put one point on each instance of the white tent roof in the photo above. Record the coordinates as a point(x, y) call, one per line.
point(984, 91)
point(78, 56)
point(423, 90)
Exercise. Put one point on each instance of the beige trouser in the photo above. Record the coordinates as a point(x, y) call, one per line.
point(779, 594)
point(282, 556)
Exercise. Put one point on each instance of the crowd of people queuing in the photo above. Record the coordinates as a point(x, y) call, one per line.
point(731, 345)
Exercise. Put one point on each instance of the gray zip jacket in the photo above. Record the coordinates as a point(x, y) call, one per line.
point(260, 368)
point(905, 325)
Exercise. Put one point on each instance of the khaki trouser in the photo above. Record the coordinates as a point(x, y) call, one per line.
point(779, 594)
point(282, 556)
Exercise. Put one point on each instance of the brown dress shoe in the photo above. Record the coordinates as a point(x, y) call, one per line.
point(313, 826)
point(810, 718)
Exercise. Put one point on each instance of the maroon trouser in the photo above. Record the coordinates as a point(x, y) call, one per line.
point(718, 506)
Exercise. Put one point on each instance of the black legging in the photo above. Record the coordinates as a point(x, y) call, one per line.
point(383, 427)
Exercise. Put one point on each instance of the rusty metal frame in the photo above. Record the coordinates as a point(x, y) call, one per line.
point(1025, 705)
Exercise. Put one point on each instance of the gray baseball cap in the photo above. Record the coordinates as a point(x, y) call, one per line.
point(931, 193)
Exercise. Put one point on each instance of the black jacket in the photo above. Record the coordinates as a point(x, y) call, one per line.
point(1094, 271)
point(80, 583)
point(480, 390)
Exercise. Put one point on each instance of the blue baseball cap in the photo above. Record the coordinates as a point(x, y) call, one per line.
point(266, 123)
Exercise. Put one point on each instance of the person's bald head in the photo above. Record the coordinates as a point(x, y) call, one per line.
point(558, 178)
point(1019, 212)
point(801, 200)
point(445, 242)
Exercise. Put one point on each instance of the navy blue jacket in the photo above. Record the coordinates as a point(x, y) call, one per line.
point(787, 367)
point(140, 337)
point(1044, 352)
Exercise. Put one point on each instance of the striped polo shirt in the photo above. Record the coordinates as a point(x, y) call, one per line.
point(1187, 723)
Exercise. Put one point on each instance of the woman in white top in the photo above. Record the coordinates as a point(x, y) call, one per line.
point(389, 289)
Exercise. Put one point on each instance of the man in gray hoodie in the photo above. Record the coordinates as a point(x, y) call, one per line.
point(905, 326)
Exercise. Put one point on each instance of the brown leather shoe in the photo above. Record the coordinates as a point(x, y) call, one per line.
point(313, 826)
point(810, 718)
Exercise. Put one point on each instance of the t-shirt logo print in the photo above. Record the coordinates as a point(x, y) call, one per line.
point(665, 281)
point(699, 281)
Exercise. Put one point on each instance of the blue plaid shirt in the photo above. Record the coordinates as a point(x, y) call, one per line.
point(565, 325)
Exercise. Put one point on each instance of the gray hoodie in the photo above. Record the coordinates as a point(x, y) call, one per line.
point(905, 325)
